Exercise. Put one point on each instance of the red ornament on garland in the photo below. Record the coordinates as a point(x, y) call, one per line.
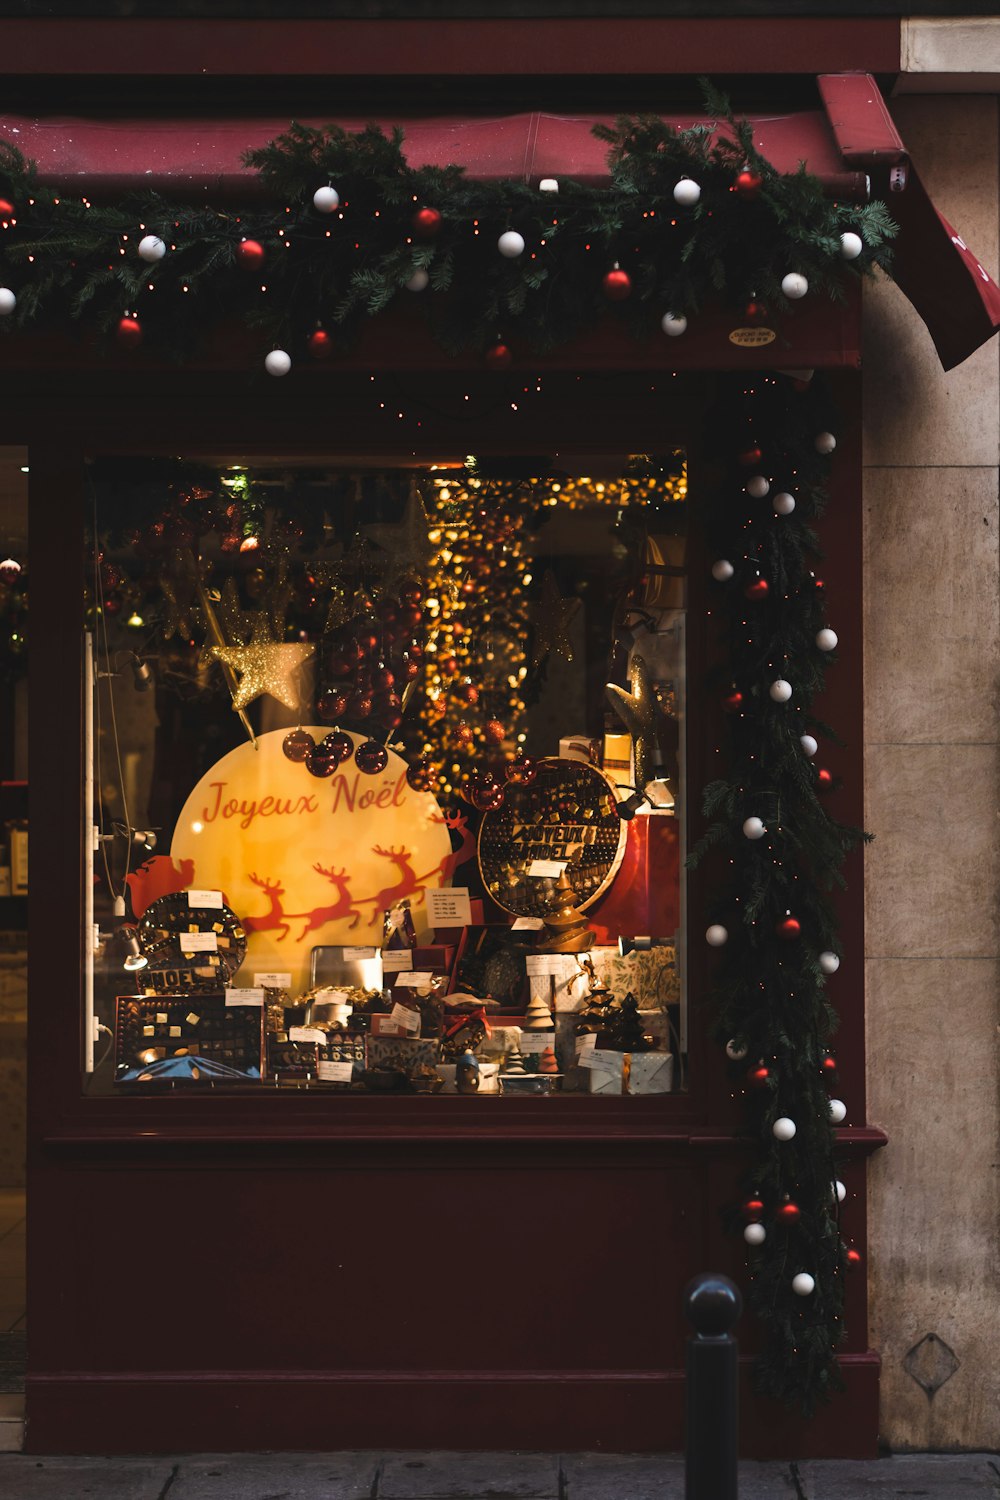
point(733, 701)
point(371, 757)
point(250, 253)
point(463, 737)
point(332, 704)
point(750, 457)
point(853, 1259)
point(755, 311)
point(426, 223)
point(319, 762)
point(360, 706)
point(485, 792)
point(789, 1212)
point(468, 691)
point(129, 332)
point(499, 357)
point(824, 779)
point(320, 344)
point(759, 1078)
point(522, 770)
point(748, 185)
point(753, 1210)
point(297, 745)
point(495, 732)
point(617, 284)
point(829, 1065)
point(789, 928)
point(421, 775)
point(757, 590)
point(7, 209)
point(337, 744)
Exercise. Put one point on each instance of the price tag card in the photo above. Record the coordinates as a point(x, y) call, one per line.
point(585, 1043)
point(244, 997)
point(415, 979)
point(199, 942)
point(449, 907)
point(273, 981)
point(549, 869)
point(335, 1072)
point(406, 1020)
point(604, 1062)
point(396, 960)
point(205, 898)
point(537, 1041)
point(307, 1034)
point(527, 924)
point(545, 963)
point(357, 953)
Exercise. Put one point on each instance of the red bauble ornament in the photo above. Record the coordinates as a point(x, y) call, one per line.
point(7, 209)
point(371, 757)
point(748, 185)
point(411, 669)
point(411, 593)
point(448, 665)
point(824, 779)
point(421, 775)
point(499, 357)
point(759, 1077)
point(789, 928)
point(853, 1259)
point(298, 744)
point(320, 344)
point(789, 1212)
point(733, 701)
point(382, 677)
point(495, 732)
point(426, 223)
point(753, 1210)
point(468, 692)
point(332, 704)
point(829, 1065)
point(129, 332)
point(757, 590)
point(250, 253)
point(749, 458)
point(617, 285)
point(755, 311)
point(410, 616)
point(360, 706)
point(387, 611)
point(463, 737)
point(338, 745)
point(486, 796)
point(320, 762)
point(522, 770)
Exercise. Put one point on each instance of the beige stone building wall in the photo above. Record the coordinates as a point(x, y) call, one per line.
point(932, 585)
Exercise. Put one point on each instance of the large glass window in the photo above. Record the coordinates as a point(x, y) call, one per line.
point(386, 775)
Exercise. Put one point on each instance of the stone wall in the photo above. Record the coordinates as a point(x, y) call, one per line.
point(932, 582)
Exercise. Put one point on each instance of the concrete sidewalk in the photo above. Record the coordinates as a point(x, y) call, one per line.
point(480, 1476)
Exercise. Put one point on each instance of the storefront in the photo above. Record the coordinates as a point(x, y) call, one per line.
point(387, 1104)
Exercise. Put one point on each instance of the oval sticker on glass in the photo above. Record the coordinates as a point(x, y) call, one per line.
point(752, 338)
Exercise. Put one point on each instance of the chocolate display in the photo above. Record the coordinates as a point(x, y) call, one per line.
point(205, 943)
point(153, 1031)
point(568, 815)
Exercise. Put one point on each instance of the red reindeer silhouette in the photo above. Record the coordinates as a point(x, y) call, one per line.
point(455, 822)
point(409, 883)
point(274, 917)
point(342, 907)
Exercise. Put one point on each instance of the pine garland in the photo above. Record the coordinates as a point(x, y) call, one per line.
point(68, 259)
point(772, 1011)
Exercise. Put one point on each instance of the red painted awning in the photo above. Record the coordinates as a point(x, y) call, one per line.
point(850, 140)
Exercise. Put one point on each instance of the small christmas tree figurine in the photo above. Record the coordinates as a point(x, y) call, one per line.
point(547, 1062)
point(596, 1006)
point(513, 1064)
point(624, 1031)
point(538, 1017)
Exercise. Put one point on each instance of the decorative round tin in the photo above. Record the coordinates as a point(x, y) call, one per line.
point(173, 934)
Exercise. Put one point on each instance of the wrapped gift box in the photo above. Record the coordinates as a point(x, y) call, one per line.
point(650, 1073)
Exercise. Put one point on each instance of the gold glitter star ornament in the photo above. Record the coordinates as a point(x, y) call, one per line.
point(265, 667)
point(638, 711)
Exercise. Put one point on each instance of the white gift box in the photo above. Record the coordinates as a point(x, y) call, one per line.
point(650, 1073)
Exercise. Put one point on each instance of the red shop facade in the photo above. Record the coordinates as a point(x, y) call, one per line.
point(289, 1265)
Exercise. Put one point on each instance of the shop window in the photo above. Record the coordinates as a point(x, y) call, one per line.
point(386, 772)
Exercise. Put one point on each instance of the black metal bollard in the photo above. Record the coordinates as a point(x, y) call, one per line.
point(713, 1304)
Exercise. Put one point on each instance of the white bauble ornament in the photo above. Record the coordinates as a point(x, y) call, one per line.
point(838, 1111)
point(736, 1051)
point(548, 185)
point(824, 442)
point(326, 199)
point(758, 486)
point(840, 1191)
point(511, 244)
point(755, 1234)
point(716, 936)
point(277, 362)
point(826, 639)
point(8, 301)
point(851, 245)
point(809, 745)
point(674, 325)
point(783, 503)
point(418, 281)
point(753, 828)
point(829, 962)
point(783, 1129)
point(722, 570)
point(152, 248)
point(803, 1284)
point(780, 690)
point(794, 286)
point(687, 192)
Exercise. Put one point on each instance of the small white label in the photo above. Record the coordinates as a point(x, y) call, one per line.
point(543, 963)
point(449, 906)
point(527, 924)
point(335, 1072)
point(407, 1020)
point(352, 954)
point(273, 981)
point(585, 1043)
point(199, 942)
point(396, 960)
point(205, 898)
point(605, 1062)
point(415, 979)
point(537, 1041)
point(244, 997)
point(307, 1034)
point(549, 869)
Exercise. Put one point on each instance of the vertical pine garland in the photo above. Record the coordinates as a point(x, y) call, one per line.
point(772, 922)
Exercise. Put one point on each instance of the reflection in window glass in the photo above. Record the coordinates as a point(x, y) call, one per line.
point(386, 776)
